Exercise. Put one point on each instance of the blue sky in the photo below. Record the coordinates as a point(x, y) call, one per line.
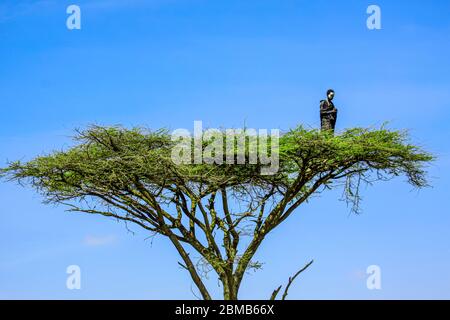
point(166, 63)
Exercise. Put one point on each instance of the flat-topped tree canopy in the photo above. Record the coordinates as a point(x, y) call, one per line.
point(130, 174)
point(117, 157)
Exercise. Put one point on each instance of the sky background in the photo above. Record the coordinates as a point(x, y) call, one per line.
point(266, 64)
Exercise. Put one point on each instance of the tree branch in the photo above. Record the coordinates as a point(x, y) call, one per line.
point(290, 281)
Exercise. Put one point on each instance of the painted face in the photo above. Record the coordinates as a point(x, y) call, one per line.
point(331, 95)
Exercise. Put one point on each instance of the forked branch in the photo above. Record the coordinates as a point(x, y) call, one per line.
point(291, 279)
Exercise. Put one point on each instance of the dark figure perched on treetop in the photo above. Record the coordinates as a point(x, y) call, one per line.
point(328, 112)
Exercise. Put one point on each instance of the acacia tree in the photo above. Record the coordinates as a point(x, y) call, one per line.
point(221, 211)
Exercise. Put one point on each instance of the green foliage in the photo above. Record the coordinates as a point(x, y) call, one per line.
point(130, 175)
point(115, 157)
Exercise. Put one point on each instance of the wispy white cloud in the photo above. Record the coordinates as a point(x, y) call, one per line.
point(97, 241)
point(358, 274)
